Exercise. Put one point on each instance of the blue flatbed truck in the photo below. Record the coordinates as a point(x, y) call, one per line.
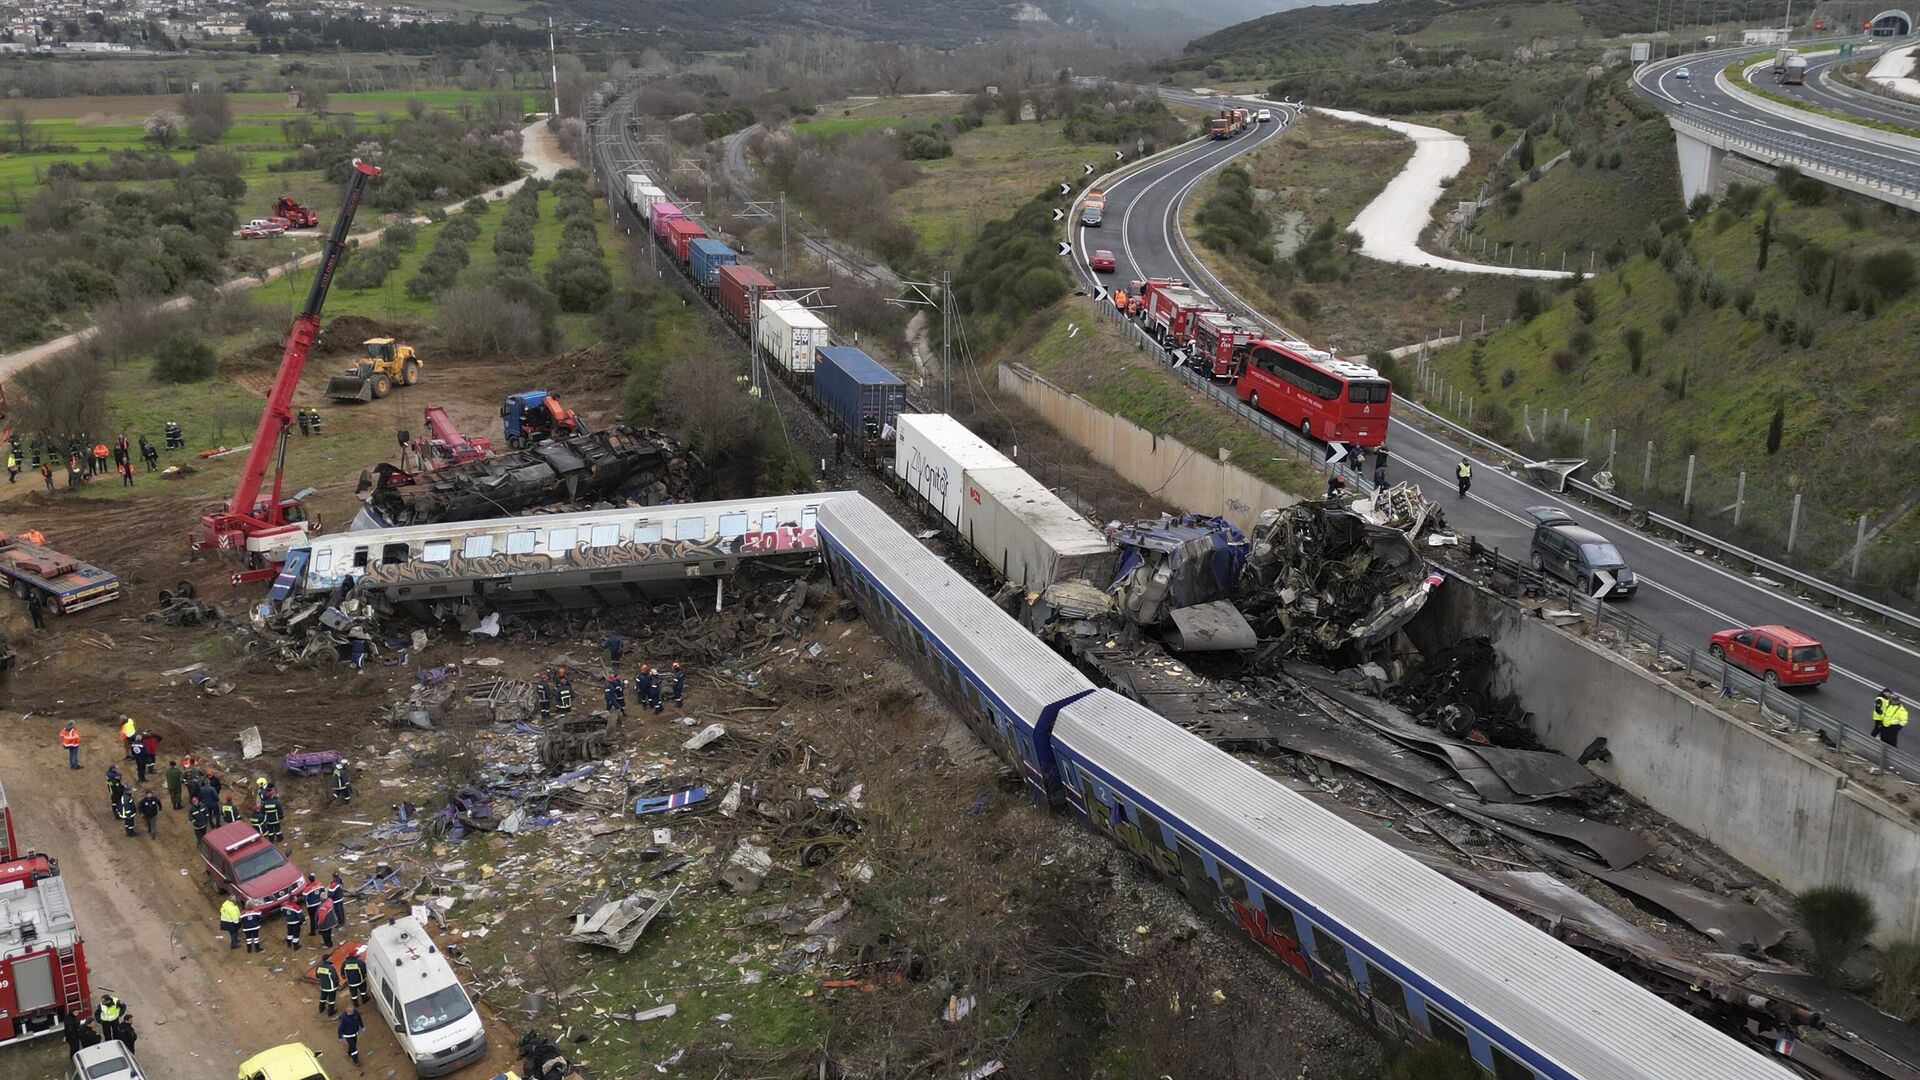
point(64, 583)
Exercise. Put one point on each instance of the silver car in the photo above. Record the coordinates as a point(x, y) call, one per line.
point(110, 1060)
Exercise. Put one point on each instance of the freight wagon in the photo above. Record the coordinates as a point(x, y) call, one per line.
point(65, 584)
point(741, 286)
point(638, 182)
point(788, 333)
point(680, 233)
point(705, 257)
point(1027, 534)
point(663, 212)
point(864, 397)
point(646, 199)
point(932, 454)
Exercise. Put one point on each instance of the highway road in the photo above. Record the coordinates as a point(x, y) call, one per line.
point(1701, 95)
point(1817, 91)
point(1682, 595)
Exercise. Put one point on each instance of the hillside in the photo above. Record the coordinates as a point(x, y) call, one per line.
point(731, 23)
point(1773, 335)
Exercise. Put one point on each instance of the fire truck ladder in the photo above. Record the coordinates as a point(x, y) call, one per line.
point(59, 909)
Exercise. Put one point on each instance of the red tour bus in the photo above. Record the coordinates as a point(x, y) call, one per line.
point(1316, 393)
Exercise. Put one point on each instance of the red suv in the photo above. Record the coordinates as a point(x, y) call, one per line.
point(242, 862)
point(1777, 654)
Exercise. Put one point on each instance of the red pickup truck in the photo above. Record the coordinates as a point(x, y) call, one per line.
point(244, 863)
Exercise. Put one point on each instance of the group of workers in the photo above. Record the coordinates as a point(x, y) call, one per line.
point(322, 907)
point(309, 420)
point(115, 1022)
point(553, 690)
point(84, 458)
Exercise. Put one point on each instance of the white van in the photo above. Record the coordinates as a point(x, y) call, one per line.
point(416, 990)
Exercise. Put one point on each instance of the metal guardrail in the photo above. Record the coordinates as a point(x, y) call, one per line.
point(1734, 683)
point(1893, 176)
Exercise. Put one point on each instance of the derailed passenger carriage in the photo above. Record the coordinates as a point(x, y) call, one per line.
point(1418, 956)
point(594, 558)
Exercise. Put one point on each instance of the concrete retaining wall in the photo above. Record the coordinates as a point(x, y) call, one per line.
point(1194, 481)
point(1792, 818)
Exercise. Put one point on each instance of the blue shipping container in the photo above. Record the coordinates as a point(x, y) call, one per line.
point(706, 256)
point(855, 388)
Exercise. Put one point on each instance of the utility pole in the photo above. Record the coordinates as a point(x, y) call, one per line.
point(553, 64)
point(921, 294)
point(783, 238)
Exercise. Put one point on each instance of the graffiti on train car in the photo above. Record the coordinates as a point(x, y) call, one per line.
point(783, 538)
point(1254, 924)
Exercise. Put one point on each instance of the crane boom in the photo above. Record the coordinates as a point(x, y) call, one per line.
point(247, 521)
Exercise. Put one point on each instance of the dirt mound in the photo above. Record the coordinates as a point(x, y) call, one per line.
point(344, 333)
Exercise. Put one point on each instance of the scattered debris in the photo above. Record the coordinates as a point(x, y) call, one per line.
point(1322, 578)
point(747, 868)
point(617, 924)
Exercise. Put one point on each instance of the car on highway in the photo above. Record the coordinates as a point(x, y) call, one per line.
point(1579, 556)
point(245, 864)
point(1102, 261)
point(1265, 116)
point(1683, 73)
point(1780, 655)
point(109, 1060)
point(1090, 216)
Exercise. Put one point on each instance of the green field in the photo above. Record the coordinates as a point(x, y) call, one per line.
point(993, 170)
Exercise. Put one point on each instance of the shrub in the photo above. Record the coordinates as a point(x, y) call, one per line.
point(1304, 303)
point(1508, 377)
point(1789, 328)
point(1652, 243)
point(926, 146)
point(182, 358)
point(1701, 204)
point(1805, 337)
point(368, 268)
point(1890, 273)
point(1743, 300)
point(1565, 361)
point(1613, 160)
point(1586, 303)
point(1776, 428)
point(579, 281)
point(1896, 989)
point(400, 236)
point(487, 322)
point(475, 206)
point(1670, 322)
point(1635, 339)
point(1837, 920)
point(1526, 303)
point(1581, 341)
point(1434, 1061)
point(1676, 385)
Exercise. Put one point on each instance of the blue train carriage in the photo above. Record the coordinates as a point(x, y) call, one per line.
point(1419, 956)
point(1003, 681)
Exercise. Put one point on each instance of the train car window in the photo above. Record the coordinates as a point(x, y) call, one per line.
point(395, 553)
point(1097, 811)
point(477, 547)
point(561, 541)
point(1445, 1029)
point(1194, 872)
point(1150, 825)
point(522, 543)
point(1508, 1067)
point(1387, 990)
point(1331, 952)
point(323, 560)
point(807, 517)
point(732, 525)
point(1280, 917)
point(690, 528)
point(644, 533)
point(1232, 883)
point(604, 536)
point(436, 551)
point(359, 557)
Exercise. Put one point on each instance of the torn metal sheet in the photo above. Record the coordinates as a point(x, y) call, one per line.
point(1841, 1010)
point(1553, 473)
point(1211, 627)
point(617, 924)
point(1548, 896)
point(1619, 848)
point(675, 801)
point(1172, 563)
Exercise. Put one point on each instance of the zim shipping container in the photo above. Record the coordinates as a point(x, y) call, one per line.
point(855, 389)
point(789, 333)
point(932, 453)
point(740, 287)
point(680, 233)
point(1031, 537)
point(663, 212)
point(705, 257)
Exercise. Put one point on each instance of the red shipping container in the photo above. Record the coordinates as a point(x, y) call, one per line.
point(739, 286)
point(681, 232)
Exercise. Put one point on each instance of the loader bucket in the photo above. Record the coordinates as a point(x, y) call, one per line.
point(350, 387)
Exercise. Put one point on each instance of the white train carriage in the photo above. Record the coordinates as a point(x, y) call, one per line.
point(1419, 956)
point(580, 559)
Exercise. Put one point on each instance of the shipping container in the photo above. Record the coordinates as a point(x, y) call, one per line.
point(1031, 537)
point(789, 333)
point(857, 390)
point(646, 198)
point(705, 257)
point(636, 183)
point(932, 453)
point(681, 232)
point(742, 286)
point(663, 212)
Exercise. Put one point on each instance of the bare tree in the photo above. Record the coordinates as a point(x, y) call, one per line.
point(891, 65)
point(22, 126)
point(163, 128)
point(708, 409)
point(209, 114)
point(66, 394)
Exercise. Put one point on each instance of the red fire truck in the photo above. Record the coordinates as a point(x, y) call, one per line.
point(1168, 310)
point(1220, 342)
point(43, 963)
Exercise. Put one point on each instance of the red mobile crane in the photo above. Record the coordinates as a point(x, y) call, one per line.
point(446, 444)
point(265, 528)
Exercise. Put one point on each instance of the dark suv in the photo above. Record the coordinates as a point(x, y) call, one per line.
point(1576, 555)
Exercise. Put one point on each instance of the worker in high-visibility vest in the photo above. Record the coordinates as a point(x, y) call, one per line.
point(1888, 720)
point(70, 738)
point(128, 729)
point(1465, 473)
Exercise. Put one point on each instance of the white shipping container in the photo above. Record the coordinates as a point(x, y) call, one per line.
point(645, 198)
point(636, 181)
point(1029, 535)
point(789, 333)
point(932, 453)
